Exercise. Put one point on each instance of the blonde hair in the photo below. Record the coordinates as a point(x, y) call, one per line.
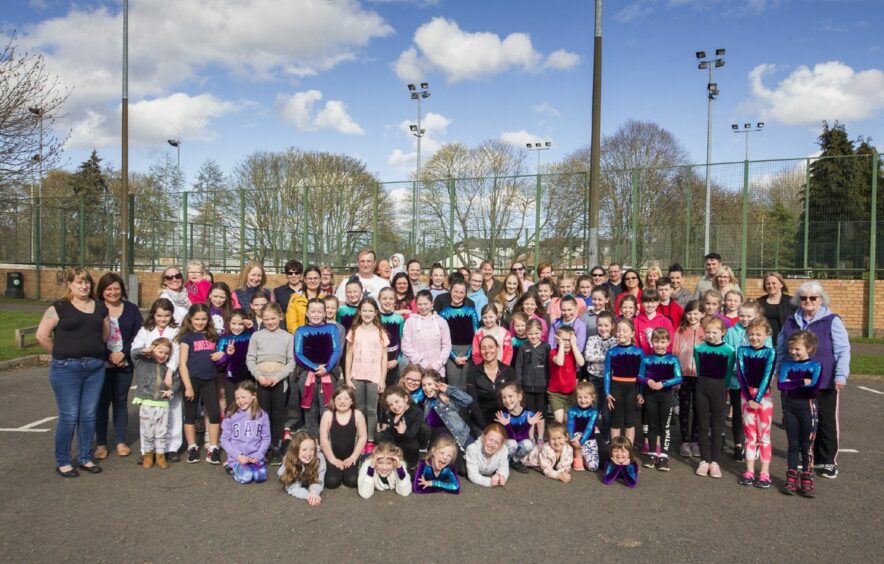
point(77, 273)
point(443, 441)
point(244, 275)
point(387, 449)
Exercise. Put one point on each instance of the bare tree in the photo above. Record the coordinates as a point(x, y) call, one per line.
point(28, 95)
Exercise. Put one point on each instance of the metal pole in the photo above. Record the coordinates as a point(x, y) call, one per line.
point(744, 262)
point(374, 216)
point(417, 180)
point(306, 224)
point(39, 245)
point(838, 245)
point(633, 245)
point(806, 211)
point(538, 194)
point(223, 248)
point(242, 228)
point(593, 255)
point(184, 238)
point(131, 232)
point(688, 218)
point(451, 196)
point(82, 231)
point(63, 243)
point(873, 247)
point(124, 172)
point(708, 162)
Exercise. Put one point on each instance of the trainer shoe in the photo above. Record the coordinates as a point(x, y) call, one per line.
point(829, 471)
point(286, 439)
point(274, 457)
point(714, 470)
point(703, 468)
point(193, 454)
point(685, 450)
point(695, 449)
point(791, 482)
point(662, 464)
point(650, 462)
point(173, 456)
point(762, 482)
point(806, 488)
point(213, 456)
point(747, 479)
point(519, 467)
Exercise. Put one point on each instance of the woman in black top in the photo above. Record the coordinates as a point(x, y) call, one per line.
point(76, 372)
point(125, 321)
point(483, 384)
point(776, 306)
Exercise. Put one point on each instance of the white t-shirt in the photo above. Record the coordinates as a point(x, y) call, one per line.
point(371, 287)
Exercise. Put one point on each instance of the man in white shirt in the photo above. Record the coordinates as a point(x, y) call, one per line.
point(372, 284)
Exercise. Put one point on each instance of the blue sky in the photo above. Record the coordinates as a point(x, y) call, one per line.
point(231, 77)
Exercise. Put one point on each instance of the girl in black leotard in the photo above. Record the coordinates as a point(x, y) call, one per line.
point(342, 436)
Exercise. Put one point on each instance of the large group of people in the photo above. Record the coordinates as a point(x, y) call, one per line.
point(388, 381)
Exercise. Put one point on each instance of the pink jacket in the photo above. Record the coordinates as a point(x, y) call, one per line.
point(683, 347)
point(554, 311)
point(644, 327)
point(543, 458)
point(505, 351)
point(426, 341)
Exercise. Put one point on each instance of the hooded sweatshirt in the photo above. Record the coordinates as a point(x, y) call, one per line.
point(242, 435)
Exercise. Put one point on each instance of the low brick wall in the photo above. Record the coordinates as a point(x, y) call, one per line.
point(849, 297)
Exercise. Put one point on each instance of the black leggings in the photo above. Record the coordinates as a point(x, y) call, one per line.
point(272, 401)
point(658, 406)
point(208, 392)
point(825, 442)
point(711, 413)
point(801, 426)
point(736, 397)
point(334, 476)
point(687, 404)
point(623, 415)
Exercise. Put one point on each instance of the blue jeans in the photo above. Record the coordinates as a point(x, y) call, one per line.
point(115, 392)
point(77, 385)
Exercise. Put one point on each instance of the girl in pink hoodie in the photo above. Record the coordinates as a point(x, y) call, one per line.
point(426, 340)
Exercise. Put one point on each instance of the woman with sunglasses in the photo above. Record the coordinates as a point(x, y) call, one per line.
point(631, 285)
point(833, 354)
point(172, 288)
point(518, 268)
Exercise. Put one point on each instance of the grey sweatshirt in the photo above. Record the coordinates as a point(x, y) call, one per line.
point(480, 469)
point(149, 377)
point(271, 346)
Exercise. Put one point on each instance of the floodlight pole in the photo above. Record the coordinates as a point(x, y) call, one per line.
point(593, 255)
point(712, 93)
point(124, 160)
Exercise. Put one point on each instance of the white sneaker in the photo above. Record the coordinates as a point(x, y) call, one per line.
point(714, 470)
point(703, 468)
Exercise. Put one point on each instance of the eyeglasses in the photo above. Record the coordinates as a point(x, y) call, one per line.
point(413, 380)
point(173, 276)
point(631, 278)
point(293, 273)
point(809, 298)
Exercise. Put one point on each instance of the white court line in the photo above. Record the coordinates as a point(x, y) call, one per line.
point(871, 390)
point(852, 450)
point(29, 428)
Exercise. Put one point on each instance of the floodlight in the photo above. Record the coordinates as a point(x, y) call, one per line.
point(701, 54)
point(719, 52)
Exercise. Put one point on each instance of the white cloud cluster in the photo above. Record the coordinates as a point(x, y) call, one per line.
point(830, 90)
point(298, 111)
point(462, 55)
point(435, 127)
point(520, 138)
point(172, 42)
point(547, 109)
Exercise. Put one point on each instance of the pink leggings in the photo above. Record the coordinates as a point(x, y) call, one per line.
point(756, 427)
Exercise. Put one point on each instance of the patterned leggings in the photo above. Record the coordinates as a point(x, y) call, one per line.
point(245, 473)
point(756, 426)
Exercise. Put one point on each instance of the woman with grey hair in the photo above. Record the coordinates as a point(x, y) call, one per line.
point(833, 354)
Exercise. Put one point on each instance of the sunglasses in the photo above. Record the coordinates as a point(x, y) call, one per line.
point(519, 269)
point(598, 275)
point(173, 276)
point(809, 298)
point(292, 272)
point(631, 278)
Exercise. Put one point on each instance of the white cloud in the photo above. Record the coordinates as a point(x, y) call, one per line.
point(173, 42)
point(635, 10)
point(435, 128)
point(297, 110)
point(462, 55)
point(519, 138)
point(152, 121)
point(830, 90)
point(546, 108)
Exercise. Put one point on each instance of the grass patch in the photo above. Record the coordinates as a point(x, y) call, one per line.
point(9, 322)
point(864, 340)
point(866, 364)
point(8, 300)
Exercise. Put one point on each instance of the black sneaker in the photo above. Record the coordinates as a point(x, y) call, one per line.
point(193, 454)
point(829, 471)
point(739, 454)
point(214, 456)
point(519, 467)
point(173, 456)
point(650, 462)
point(274, 457)
point(662, 464)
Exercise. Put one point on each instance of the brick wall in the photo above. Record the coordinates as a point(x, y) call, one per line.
point(849, 297)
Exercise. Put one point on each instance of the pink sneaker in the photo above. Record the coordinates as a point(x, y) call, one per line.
point(703, 468)
point(714, 470)
point(369, 448)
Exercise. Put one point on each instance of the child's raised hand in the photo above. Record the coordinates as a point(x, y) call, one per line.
point(611, 402)
point(248, 323)
point(216, 356)
point(442, 387)
point(313, 499)
point(808, 381)
point(502, 418)
point(230, 348)
point(535, 418)
point(424, 483)
point(147, 351)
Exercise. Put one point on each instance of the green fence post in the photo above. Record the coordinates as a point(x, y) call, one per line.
point(873, 246)
point(82, 231)
point(242, 228)
point(451, 197)
point(744, 247)
point(223, 248)
point(131, 238)
point(184, 238)
point(63, 242)
point(305, 221)
point(374, 217)
point(838, 246)
point(633, 246)
point(688, 217)
point(39, 255)
point(776, 265)
point(806, 211)
point(538, 195)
